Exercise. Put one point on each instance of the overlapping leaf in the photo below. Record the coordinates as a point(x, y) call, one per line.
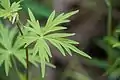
point(41, 35)
point(7, 49)
point(11, 47)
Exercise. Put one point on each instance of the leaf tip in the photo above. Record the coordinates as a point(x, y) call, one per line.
point(115, 45)
point(77, 11)
point(53, 11)
point(29, 10)
point(73, 34)
point(89, 57)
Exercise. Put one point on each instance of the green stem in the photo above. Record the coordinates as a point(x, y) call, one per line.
point(27, 61)
point(109, 24)
point(26, 49)
point(109, 28)
point(18, 25)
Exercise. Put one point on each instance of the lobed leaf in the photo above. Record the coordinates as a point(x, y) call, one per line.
point(12, 47)
point(40, 36)
point(57, 35)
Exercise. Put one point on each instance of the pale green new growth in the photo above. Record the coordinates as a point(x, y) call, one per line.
point(8, 10)
point(42, 35)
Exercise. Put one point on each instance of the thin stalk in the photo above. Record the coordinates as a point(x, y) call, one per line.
point(109, 23)
point(26, 49)
point(18, 25)
point(27, 61)
point(109, 28)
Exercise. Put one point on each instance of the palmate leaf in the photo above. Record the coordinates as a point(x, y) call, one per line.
point(9, 10)
point(53, 22)
point(8, 50)
point(6, 39)
point(11, 48)
point(40, 36)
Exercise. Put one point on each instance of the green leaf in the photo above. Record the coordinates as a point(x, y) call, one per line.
point(16, 6)
point(5, 3)
point(35, 24)
point(42, 50)
point(40, 36)
point(67, 49)
point(28, 40)
point(40, 10)
point(2, 12)
point(21, 56)
point(112, 41)
point(12, 48)
point(70, 14)
point(50, 19)
point(7, 64)
point(33, 60)
point(32, 18)
point(9, 11)
point(114, 69)
point(115, 73)
point(55, 35)
point(58, 46)
point(46, 47)
point(55, 29)
point(62, 18)
point(68, 41)
point(73, 48)
point(2, 57)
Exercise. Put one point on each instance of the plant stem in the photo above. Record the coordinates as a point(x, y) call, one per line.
point(27, 61)
point(26, 49)
point(109, 24)
point(18, 25)
point(109, 28)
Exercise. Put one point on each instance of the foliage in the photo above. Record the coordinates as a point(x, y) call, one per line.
point(40, 35)
point(111, 45)
point(7, 48)
point(114, 42)
point(39, 9)
point(13, 45)
point(8, 10)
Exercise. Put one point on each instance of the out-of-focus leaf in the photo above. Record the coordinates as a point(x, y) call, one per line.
point(39, 10)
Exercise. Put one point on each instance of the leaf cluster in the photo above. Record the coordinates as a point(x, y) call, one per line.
point(8, 10)
point(13, 45)
point(112, 66)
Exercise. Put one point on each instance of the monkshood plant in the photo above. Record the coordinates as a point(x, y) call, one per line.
point(15, 41)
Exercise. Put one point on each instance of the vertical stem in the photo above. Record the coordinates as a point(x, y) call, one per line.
point(26, 49)
point(109, 24)
point(109, 28)
point(27, 61)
